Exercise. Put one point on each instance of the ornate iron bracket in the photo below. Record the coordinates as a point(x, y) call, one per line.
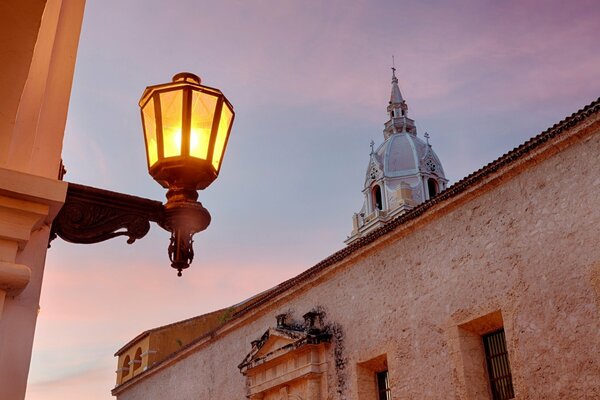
point(92, 215)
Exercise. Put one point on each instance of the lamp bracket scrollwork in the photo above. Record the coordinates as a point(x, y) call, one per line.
point(92, 215)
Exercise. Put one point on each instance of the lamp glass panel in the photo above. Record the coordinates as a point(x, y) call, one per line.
point(203, 112)
point(150, 131)
point(224, 124)
point(171, 104)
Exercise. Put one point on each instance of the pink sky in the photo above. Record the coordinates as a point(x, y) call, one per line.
point(309, 82)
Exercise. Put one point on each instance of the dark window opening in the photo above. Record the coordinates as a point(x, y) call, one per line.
point(403, 113)
point(125, 370)
point(498, 366)
point(392, 113)
point(432, 186)
point(383, 386)
point(137, 359)
point(377, 198)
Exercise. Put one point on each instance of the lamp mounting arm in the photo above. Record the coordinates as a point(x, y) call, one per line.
point(92, 215)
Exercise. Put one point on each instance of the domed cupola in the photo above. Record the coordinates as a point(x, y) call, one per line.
point(403, 171)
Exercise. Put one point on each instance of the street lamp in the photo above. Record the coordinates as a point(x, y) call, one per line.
point(186, 129)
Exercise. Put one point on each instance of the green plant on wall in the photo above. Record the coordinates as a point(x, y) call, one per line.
point(226, 316)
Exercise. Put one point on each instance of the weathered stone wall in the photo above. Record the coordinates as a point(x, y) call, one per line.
point(526, 252)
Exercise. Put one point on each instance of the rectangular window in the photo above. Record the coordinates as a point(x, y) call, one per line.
point(498, 365)
point(383, 386)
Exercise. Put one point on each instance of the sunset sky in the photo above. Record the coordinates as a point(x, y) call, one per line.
point(309, 82)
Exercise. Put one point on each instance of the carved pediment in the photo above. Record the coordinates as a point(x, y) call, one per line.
point(375, 170)
point(288, 357)
point(275, 340)
point(273, 343)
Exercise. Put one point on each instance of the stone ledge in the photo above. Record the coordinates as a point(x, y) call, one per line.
point(35, 189)
point(19, 218)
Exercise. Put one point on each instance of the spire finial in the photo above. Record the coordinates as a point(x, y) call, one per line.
point(372, 145)
point(427, 138)
point(394, 79)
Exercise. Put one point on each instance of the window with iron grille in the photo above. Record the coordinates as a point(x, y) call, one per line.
point(498, 365)
point(383, 386)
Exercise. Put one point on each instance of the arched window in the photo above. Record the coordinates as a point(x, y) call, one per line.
point(432, 186)
point(377, 201)
point(125, 367)
point(137, 360)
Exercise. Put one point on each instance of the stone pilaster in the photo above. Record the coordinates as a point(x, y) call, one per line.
point(28, 204)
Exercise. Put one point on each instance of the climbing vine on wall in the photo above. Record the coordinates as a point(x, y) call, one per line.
point(340, 360)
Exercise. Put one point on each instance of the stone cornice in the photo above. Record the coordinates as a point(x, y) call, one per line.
point(27, 202)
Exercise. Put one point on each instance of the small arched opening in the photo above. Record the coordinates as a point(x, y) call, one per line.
point(432, 186)
point(125, 367)
point(137, 359)
point(377, 198)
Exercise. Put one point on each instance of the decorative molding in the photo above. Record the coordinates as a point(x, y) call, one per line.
point(289, 360)
point(13, 277)
point(311, 332)
point(375, 172)
point(92, 215)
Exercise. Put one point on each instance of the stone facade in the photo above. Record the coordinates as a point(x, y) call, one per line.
point(514, 246)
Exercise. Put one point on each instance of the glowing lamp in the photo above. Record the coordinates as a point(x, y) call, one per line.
point(186, 128)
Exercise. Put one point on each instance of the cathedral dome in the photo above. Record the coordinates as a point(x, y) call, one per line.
point(404, 154)
point(403, 172)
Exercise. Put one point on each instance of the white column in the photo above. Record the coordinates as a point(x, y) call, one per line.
point(384, 199)
point(37, 136)
point(28, 203)
point(40, 38)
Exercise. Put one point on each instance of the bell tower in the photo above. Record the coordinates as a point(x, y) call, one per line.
point(403, 171)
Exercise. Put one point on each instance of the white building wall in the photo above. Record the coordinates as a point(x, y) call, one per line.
point(40, 39)
point(522, 244)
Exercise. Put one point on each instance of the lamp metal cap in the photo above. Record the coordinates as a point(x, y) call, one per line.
point(186, 77)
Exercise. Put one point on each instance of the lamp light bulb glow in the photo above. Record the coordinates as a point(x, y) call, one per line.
point(172, 141)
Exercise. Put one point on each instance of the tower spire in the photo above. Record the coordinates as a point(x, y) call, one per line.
point(403, 172)
point(396, 96)
point(397, 110)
